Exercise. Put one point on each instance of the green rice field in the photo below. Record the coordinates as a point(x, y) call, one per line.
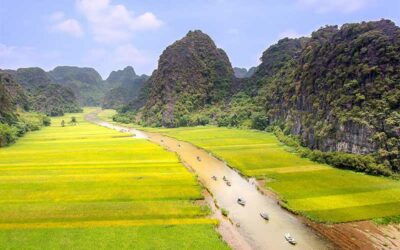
point(318, 191)
point(88, 187)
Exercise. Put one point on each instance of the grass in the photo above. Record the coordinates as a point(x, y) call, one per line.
point(89, 187)
point(318, 191)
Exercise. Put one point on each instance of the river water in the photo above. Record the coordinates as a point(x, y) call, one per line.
point(258, 233)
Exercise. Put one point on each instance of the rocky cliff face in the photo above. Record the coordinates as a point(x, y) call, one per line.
point(191, 74)
point(31, 77)
point(125, 93)
point(12, 95)
point(33, 89)
point(122, 77)
point(86, 83)
point(243, 72)
point(340, 90)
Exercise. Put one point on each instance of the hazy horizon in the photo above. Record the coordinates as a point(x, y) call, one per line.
point(110, 34)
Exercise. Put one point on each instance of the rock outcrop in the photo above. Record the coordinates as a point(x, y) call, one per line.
point(191, 74)
point(339, 90)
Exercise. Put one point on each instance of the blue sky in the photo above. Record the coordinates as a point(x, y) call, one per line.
point(110, 34)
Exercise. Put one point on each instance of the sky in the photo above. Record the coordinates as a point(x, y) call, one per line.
point(111, 34)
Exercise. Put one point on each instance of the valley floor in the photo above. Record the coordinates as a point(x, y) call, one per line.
point(87, 187)
point(322, 193)
point(318, 191)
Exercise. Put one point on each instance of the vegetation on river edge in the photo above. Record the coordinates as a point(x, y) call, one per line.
point(315, 190)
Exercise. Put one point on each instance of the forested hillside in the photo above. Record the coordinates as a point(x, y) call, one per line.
point(86, 83)
point(337, 90)
point(342, 92)
point(14, 104)
point(192, 73)
point(125, 86)
point(43, 95)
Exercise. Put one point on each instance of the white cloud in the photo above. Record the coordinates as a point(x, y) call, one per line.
point(69, 26)
point(324, 6)
point(114, 24)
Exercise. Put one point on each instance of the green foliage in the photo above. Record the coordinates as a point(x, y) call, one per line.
point(54, 100)
point(224, 212)
point(338, 91)
point(122, 118)
point(192, 75)
point(8, 134)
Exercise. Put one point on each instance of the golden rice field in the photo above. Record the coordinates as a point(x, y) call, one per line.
point(88, 187)
point(318, 191)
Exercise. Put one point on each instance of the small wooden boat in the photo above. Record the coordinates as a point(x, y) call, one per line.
point(179, 145)
point(265, 216)
point(224, 178)
point(198, 158)
point(228, 183)
point(240, 201)
point(214, 178)
point(290, 239)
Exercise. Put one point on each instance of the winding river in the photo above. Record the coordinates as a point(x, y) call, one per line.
point(257, 232)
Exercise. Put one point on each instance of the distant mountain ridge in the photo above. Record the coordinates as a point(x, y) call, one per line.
point(125, 86)
point(243, 72)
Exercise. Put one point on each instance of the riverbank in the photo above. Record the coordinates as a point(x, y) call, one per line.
point(258, 233)
point(350, 235)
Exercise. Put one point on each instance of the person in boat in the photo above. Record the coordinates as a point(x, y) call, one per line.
point(214, 178)
point(198, 158)
point(290, 239)
point(228, 183)
point(241, 201)
point(265, 216)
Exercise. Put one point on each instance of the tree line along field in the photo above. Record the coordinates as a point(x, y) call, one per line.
point(318, 191)
point(88, 187)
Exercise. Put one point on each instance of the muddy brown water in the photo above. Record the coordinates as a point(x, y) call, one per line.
point(258, 233)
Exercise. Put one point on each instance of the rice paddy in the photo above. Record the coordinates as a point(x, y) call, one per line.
point(88, 187)
point(318, 191)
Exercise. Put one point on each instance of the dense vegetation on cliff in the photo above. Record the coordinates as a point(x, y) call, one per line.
point(86, 83)
point(15, 121)
point(125, 86)
point(341, 92)
point(42, 94)
point(192, 73)
point(336, 91)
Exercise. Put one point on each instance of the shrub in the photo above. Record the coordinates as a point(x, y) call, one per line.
point(46, 121)
point(8, 134)
point(122, 118)
point(259, 121)
point(224, 212)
